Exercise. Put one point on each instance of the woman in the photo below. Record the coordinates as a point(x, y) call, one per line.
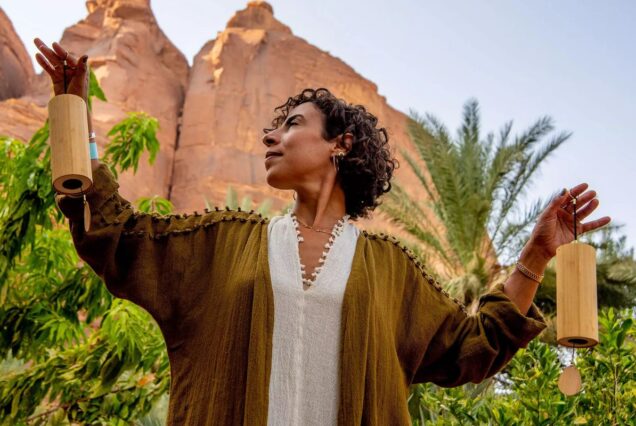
point(304, 318)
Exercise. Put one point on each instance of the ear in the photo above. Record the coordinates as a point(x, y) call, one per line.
point(345, 141)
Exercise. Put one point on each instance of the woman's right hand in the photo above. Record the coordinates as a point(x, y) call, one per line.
point(52, 61)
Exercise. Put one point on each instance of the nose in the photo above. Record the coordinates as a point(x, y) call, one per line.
point(269, 138)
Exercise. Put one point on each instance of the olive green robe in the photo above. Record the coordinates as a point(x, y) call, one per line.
point(205, 279)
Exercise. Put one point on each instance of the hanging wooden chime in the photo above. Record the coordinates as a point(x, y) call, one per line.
point(71, 170)
point(577, 316)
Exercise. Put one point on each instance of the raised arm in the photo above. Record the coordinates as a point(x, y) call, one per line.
point(449, 347)
point(161, 263)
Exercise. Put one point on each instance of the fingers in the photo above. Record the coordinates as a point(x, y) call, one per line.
point(65, 54)
point(50, 55)
point(587, 210)
point(83, 65)
point(558, 201)
point(564, 199)
point(586, 203)
point(55, 57)
point(580, 201)
point(578, 189)
point(590, 226)
point(45, 65)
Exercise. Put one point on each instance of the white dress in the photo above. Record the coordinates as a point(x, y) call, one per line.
point(304, 383)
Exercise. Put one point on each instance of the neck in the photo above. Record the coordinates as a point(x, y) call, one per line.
point(322, 207)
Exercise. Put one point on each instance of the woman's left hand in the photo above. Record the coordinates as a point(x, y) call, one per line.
point(555, 226)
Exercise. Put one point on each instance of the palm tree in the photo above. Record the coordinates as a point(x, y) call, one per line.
point(473, 189)
point(615, 271)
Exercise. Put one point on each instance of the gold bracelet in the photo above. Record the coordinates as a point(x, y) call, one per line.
point(528, 273)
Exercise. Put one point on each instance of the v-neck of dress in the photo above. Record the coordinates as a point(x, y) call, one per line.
point(320, 269)
point(283, 243)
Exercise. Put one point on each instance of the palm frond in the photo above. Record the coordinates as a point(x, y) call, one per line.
point(474, 185)
point(518, 231)
point(419, 174)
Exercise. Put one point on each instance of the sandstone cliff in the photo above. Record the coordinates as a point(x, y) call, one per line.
point(139, 70)
point(15, 66)
point(212, 115)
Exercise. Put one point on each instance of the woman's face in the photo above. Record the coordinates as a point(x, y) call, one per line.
point(305, 157)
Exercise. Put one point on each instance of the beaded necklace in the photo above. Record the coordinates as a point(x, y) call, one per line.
point(335, 232)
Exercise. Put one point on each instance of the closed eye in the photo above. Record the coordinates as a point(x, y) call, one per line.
point(290, 120)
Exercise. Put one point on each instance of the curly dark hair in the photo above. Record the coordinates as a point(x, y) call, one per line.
point(365, 171)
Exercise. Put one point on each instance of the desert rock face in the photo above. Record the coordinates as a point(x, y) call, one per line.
point(236, 81)
point(212, 115)
point(16, 70)
point(136, 66)
point(19, 118)
point(139, 70)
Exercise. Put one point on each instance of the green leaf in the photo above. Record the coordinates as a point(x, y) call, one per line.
point(131, 137)
point(111, 370)
point(94, 89)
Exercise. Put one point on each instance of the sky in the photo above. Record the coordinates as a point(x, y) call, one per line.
point(572, 60)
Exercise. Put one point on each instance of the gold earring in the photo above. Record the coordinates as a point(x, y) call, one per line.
point(340, 157)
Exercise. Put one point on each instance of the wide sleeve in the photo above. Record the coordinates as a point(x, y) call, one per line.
point(159, 262)
point(450, 347)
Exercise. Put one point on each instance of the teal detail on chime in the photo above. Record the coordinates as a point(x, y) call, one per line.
point(93, 147)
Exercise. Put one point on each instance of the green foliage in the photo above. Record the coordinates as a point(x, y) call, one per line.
point(154, 204)
point(127, 349)
point(526, 392)
point(130, 137)
point(94, 89)
point(430, 404)
point(70, 351)
point(246, 203)
point(473, 189)
point(26, 195)
point(616, 270)
point(610, 392)
point(156, 416)
point(84, 347)
point(231, 198)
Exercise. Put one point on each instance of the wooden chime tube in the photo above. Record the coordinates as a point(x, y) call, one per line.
point(68, 133)
point(577, 312)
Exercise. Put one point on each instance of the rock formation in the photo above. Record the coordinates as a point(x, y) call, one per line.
point(139, 70)
point(211, 116)
point(15, 66)
point(19, 118)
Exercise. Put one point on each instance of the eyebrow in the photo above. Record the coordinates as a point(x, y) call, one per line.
point(292, 117)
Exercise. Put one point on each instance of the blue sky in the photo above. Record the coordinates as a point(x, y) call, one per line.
point(572, 60)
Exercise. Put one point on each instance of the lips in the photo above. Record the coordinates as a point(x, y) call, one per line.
point(271, 158)
point(272, 154)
